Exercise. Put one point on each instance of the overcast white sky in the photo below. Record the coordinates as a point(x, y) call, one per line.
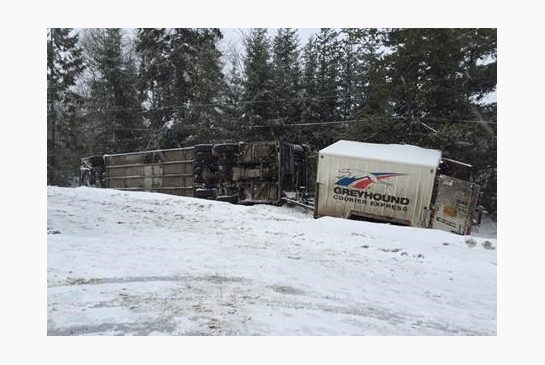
point(233, 36)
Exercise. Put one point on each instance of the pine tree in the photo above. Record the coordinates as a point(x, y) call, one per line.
point(320, 88)
point(64, 65)
point(423, 86)
point(350, 71)
point(182, 56)
point(114, 97)
point(232, 98)
point(155, 89)
point(328, 74)
point(287, 81)
point(479, 53)
point(374, 86)
point(437, 77)
point(360, 73)
point(181, 84)
point(206, 112)
point(434, 75)
point(258, 87)
point(406, 67)
point(364, 87)
point(309, 113)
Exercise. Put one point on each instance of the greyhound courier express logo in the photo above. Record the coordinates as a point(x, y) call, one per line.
point(351, 185)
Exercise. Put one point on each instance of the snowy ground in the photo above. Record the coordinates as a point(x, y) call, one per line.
point(124, 263)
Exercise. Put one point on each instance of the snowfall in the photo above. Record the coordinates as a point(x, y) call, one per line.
point(136, 263)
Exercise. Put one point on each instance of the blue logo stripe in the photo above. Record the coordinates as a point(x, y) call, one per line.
point(345, 181)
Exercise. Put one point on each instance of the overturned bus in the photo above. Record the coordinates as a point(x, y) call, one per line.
point(399, 184)
point(244, 173)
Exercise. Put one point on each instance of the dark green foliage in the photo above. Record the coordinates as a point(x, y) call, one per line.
point(229, 129)
point(311, 105)
point(327, 75)
point(155, 84)
point(258, 89)
point(321, 90)
point(437, 77)
point(423, 87)
point(113, 92)
point(170, 87)
point(64, 65)
point(206, 114)
point(287, 81)
point(181, 85)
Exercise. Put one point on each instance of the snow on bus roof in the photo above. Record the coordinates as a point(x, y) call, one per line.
point(402, 153)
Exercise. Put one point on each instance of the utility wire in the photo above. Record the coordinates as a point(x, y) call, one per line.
point(143, 110)
point(367, 120)
point(349, 121)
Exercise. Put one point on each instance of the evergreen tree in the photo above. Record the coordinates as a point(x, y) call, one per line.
point(233, 96)
point(320, 88)
point(155, 88)
point(182, 56)
point(406, 71)
point(362, 78)
point(114, 97)
point(181, 85)
point(328, 69)
point(365, 95)
point(374, 85)
point(206, 114)
point(258, 88)
point(311, 104)
point(437, 77)
point(351, 72)
point(64, 65)
point(287, 81)
point(479, 48)
point(434, 75)
point(423, 87)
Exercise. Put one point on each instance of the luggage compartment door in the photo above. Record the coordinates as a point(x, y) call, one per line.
point(455, 205)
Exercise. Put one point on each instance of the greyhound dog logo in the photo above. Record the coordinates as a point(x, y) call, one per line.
point(361, 179)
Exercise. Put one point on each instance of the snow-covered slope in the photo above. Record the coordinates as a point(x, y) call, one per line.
point(152, 264)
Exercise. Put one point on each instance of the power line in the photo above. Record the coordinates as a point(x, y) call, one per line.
point(349, 121)
point(142, 110)
point(244, 102)
point(317, 123)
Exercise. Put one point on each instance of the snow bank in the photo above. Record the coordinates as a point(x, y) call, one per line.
point(153, 264)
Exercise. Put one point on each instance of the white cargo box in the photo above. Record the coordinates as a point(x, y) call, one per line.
point(384, 182)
